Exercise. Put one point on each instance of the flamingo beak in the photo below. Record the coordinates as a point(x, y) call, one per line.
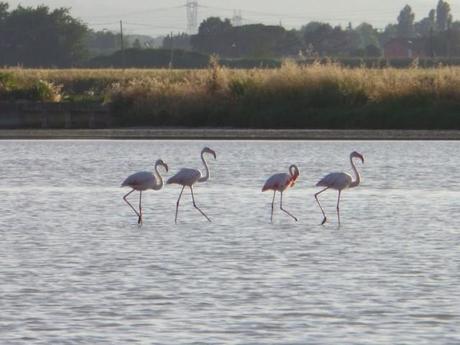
point(166, 167)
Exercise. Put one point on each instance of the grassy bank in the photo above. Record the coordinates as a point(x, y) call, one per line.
point(293, 96)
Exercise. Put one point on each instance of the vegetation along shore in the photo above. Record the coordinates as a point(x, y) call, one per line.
point(224, 134)
point(318, 96)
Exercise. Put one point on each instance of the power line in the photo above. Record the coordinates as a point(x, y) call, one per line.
point(122, 42)
point(288, 15)
point(125, 14)
point(250, 16)
point(155, 26)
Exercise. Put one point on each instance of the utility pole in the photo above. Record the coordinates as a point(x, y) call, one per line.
point(431, 43)
point(449, 43)
point(171, 58)
point(122, 44)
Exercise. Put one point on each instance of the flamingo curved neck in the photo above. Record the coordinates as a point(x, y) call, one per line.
point(158, 183)
point(293, 171)
point(206, 176)
point(357, 180)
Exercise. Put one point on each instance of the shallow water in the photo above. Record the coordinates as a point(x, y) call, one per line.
point(76, 269)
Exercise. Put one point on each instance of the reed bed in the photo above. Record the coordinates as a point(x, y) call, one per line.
point(293, 96)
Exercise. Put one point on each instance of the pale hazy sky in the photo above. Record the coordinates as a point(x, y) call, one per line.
point(161, 16)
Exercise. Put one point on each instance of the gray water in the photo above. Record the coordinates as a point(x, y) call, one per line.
point(75, 268)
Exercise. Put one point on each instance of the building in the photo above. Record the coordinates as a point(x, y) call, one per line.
point(403, 48)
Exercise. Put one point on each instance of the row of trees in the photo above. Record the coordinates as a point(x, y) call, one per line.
point(437, 33)
point(39, 37)
point(438, 20)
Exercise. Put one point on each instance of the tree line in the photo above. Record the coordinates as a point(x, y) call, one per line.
point(437, 34)
point(44, 37)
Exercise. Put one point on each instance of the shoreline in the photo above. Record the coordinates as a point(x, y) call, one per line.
point(224, 134)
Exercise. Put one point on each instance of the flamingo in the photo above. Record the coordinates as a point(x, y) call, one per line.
point(142, 181)
point(339, 181)
point(279, 183)
point(188, 177)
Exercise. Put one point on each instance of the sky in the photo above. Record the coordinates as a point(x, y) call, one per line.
point(157, 17)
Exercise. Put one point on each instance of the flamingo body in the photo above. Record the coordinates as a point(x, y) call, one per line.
point(189, 177)
point(140, 181)
point(339, 181)
point(185, 177)
point(279, 183)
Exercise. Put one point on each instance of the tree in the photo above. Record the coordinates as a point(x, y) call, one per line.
point(443, 16)
point(289, 44)
point(3, 10)
point(3, 15)
point(214, 25)
point(38, 37)
point(427, 25)
point(330, 41)
point(102, 42)
point(406, 22)
point(180, 41)
point(216, 36)
point(209, 37)
point(368, 35)
point(137, 44)
point(316, 34)
point(373, 51)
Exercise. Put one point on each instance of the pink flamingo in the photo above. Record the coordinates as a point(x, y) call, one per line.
point(279, 183)
point(339, 181)
point(188, 177)
point(142, 181)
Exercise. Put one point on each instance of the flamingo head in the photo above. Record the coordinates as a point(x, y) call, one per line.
point(355, 154)
point(294, 171)
point(208, 150)
point(163, 164)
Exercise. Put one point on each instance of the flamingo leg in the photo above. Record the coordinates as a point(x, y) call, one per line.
point(194, 205)
point(338, 207)
point(126, 200)
point(140, 208)
point(285, 211)
point(273, 206)
point(317, 200)
point(177, 204)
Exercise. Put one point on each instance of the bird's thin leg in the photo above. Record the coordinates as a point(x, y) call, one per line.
point(126, 200)
point(338, 207)
point(140, 208)
point(285, 211)
point(177, 204)
point(317, 200)
point(273, 206)
point(194, 205)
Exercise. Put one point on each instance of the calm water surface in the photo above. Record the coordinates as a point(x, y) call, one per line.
point(76, 269)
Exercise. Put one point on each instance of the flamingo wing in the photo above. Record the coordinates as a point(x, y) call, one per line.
point(278, 182)
point(141, 180)
point(185, 177)
point(338, 180)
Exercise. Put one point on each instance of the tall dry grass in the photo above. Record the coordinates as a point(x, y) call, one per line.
point(318, 95)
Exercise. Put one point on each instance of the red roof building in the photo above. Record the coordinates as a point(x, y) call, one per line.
point(402, 48)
